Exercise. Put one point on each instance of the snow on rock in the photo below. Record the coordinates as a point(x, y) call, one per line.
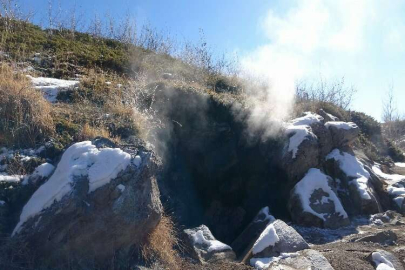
point(44, 170)
point(121, 187)
point(79, 160)
point(312, 181)
point(211, 245)
point(51, 86)
point(10, 178)
point(264, 215)
point(352, 167)
point(300, 129)
point(395, 186)
point(341, 125)
point(389, 177)
point(264, 263)
point(381, 262)
point(268, 238)
point(307, 120)
point(137, 161)
point(400, 164)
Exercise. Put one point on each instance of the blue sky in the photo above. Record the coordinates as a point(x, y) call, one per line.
point(288, 40)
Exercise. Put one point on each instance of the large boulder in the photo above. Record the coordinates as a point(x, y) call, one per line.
point(202, 246)
point(343, 133)
point(314, 202)
point(302, 150)
point(244, 242)
point(98, 201)
point(278, 238)
point(357, 193)
point(302, 260)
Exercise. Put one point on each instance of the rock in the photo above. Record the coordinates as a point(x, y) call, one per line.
point(244, 242)
point(289, 240)
point(313, 202)
point(388, 217)
point(327, 116)
point(92, 221)
point(202, 246)
point(355, 188)
point(167, 76)
point(343, 133)
point(302, 260)
point(380, 257)
point(384, 238)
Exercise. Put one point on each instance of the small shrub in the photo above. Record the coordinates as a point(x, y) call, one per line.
point(24, 114)
point(367, 124)
point(394, 152)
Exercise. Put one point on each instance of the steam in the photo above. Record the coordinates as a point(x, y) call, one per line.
point(308, 38)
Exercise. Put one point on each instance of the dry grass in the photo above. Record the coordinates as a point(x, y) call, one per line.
point(88, 133)
point(161, 244)
point(24, 113)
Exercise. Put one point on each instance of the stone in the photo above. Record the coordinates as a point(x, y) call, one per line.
point(384, 238)
point(324, 204)
point(397, 265)
point(289, 241)
point(302, 260)
point(202, 246)
point(343, 136)
point(94, 225)
point(244, 242)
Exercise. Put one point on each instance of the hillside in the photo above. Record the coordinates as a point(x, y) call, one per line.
point(117, 155)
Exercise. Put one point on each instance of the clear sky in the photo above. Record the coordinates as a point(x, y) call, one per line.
point(362, 40)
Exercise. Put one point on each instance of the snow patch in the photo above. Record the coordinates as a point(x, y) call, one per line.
point(213, 245)
point(266, 239)
point(121, 187)
point(400, 164)
point(137, 161)
point(381, 262)
point(264, 263)
point(300, 129)
point(352, 167)
point(10, 178)
point(80, 159)
point(341, 125)
point(389, 177)
point(44, 170)
point(51, 86)
point(312, 181)
point(267, 217)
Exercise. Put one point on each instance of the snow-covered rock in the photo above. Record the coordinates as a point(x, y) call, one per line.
point(314, 202)
point(355, 178)
point(84, 205)
point(51, 86)
point(301, 260)
point(203, 246)
point(384, 260)
point(242, 244)
point(278, 238)
point(395, 188)
point(343, 133)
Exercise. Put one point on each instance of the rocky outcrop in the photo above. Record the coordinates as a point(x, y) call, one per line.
point(98, 201)
point(203, 247)
point(342, 187)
